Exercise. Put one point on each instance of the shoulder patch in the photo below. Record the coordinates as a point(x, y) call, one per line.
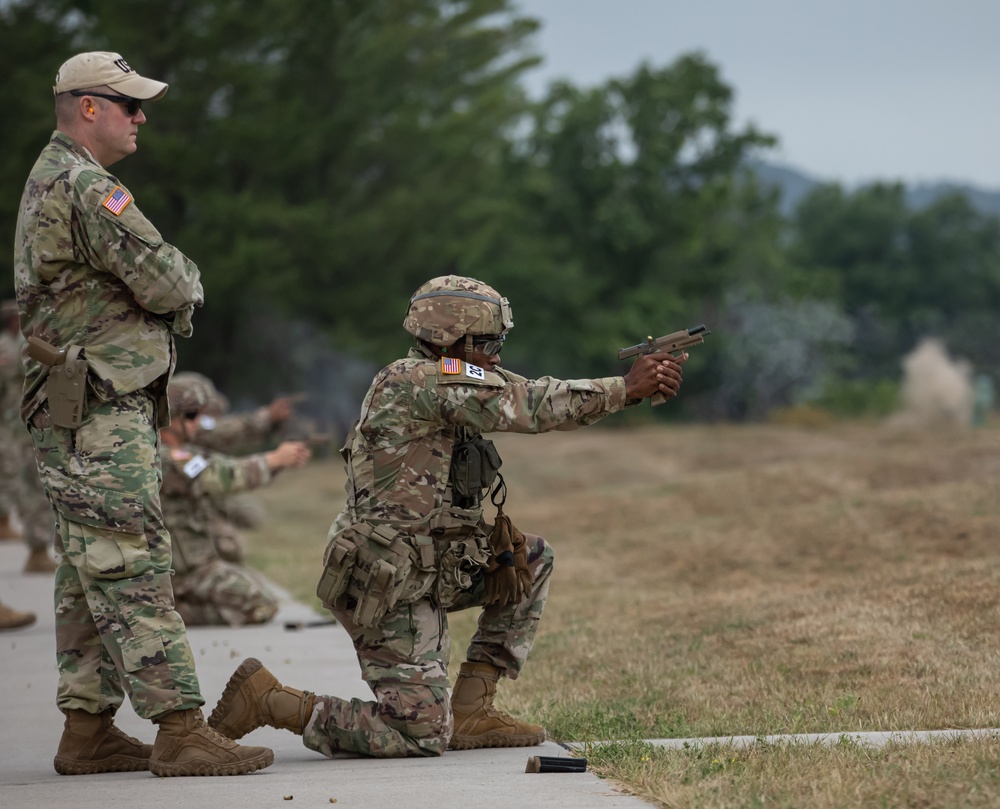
point(178, 454)
point(118, 200)
point(468, 374)
point(451, 365)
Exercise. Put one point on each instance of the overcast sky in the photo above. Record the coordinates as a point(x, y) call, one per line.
point(855, 90)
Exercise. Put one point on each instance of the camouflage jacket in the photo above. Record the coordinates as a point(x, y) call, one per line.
point(399, 453)
point(193, 481)
point(91, 270)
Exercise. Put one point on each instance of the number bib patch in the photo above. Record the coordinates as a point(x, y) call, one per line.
point(195, 466)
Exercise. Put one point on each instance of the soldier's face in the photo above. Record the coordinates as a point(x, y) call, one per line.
point(116, 131)
point(189, 422)
point(487, 361)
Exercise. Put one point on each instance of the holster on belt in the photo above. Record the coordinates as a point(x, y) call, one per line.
point(66, 386)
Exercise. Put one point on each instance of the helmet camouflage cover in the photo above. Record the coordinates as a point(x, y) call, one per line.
point(216, 404)
point(186, 393)
point(447, 308)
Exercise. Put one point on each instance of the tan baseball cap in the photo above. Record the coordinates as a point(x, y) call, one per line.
point(95, 68)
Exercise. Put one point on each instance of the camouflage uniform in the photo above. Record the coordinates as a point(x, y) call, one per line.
point(232, 434)
point(20, 489)
point(399, 459)
point(207, 589)
point(91, 270)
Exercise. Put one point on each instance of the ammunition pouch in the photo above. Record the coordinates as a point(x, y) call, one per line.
point(463, 559)
point(475, 463)
point(372, 569)
point(377, 567)
point(66, 389)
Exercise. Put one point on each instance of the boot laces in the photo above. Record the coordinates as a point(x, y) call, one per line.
point(114, 730)
point(495, 713)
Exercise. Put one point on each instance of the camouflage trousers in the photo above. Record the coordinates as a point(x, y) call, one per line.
point(117, 631)
point(404, 660)
point(21, 491)
point(221, 593)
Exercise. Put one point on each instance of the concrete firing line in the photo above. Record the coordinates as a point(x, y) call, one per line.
point(873, 739)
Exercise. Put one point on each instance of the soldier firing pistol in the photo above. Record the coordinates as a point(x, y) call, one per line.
point(669, 343)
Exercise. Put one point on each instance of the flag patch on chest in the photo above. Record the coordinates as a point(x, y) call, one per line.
point(450, 365)
point(117, 200)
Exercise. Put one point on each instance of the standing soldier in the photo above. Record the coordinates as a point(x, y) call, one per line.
point(21, 492)
point(101, 297)
point(207, 589)
point(411, 544)
point(11, 382)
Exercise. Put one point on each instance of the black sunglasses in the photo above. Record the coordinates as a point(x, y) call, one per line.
point(132, 105)
point(490, 346)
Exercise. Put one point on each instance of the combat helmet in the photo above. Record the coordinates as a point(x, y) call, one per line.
point(447, 308)
point(217, 403)
point(186, 394)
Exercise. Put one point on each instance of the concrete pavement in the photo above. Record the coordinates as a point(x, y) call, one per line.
point(318, 659)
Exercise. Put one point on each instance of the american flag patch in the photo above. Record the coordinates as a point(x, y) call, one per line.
point(117, 200)
point(450, 365)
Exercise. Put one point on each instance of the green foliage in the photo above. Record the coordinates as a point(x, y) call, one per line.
point(633, 215)
point(321, 160)
point(853, 398)
point(902, 274)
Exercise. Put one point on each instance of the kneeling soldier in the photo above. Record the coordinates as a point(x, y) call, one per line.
point(207, 589)
point(411, 544)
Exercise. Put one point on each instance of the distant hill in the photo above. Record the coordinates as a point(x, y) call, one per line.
point(793, 185)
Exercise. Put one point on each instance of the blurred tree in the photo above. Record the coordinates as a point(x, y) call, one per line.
point(634, 216)
point(317, 159)
point(901, 274)
point(35, 38)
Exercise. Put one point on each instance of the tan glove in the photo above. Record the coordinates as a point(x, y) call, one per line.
point(507, 578)
point(521, 561)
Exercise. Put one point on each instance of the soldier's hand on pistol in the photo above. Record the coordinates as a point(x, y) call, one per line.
point(289, 454)
point(654, 373)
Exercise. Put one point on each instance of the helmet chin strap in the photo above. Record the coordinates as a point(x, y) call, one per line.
point(468, 348)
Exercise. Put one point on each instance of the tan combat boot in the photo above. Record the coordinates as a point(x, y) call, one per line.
point(185, 745)
point(253, 697)
point(9, 528)
point(91, 744)
point(39, 561)
point(477, 722)
point(14, 619)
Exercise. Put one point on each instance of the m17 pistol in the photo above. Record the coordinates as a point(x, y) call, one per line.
point(669, 343)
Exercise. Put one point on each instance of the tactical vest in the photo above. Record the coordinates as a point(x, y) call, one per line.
point(374, 567)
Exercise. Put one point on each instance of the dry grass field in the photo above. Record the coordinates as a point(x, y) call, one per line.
point(745, 580)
